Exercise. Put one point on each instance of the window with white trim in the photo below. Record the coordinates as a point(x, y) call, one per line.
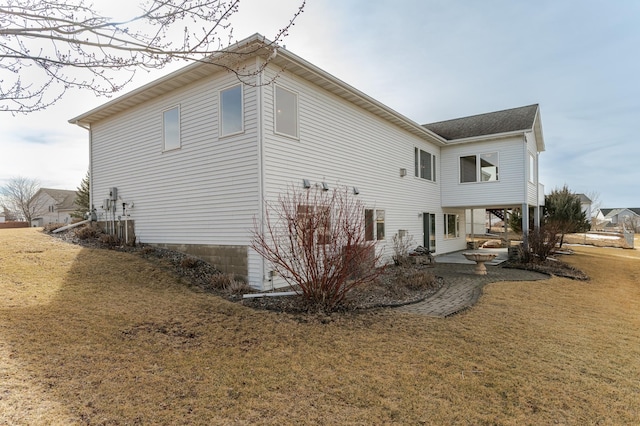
point(286, 112)
point(171, 128)
point(425, 165)
point(479, 168)
point(374, 225)
point(231, 111)
point(451, 226)
point(532, 168)
point(313, 224)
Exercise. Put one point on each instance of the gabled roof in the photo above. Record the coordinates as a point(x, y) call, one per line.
point(608, 213)
point(584, 199)
point(64, 198)
point(256, 45)
point(505, 122)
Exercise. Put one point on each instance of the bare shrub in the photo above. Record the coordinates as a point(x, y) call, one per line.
point(233, 284)
point(542, 243)
point(87, 232)
point(315, 240)
point(402, 243)
point(147, 250)
point(189, 262)
point(109, 240)
point(239, 287)
point(221, 281)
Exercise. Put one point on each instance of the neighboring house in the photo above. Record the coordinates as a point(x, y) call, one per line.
point(585, 202)
point(191, 158)
point(52, 206)
point(2, 218)
point(615, 218)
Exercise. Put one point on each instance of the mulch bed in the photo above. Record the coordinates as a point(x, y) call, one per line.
point(391, 289)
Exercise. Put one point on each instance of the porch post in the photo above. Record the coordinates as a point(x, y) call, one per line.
point(472, 232)
point(536, 217)
point(525, 225)
point(506, 230)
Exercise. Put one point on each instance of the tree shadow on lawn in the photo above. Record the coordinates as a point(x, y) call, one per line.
point(121, 341)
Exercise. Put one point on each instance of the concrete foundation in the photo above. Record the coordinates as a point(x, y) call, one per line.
point(228, 259)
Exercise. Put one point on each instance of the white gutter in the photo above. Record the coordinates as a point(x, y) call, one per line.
point(488, 137)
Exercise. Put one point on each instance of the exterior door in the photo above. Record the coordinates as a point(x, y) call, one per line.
point(429, 231)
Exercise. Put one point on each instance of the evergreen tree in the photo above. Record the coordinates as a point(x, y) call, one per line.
point(563, 211)
point(82, 199)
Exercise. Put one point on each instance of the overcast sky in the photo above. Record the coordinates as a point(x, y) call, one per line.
point(432, 60)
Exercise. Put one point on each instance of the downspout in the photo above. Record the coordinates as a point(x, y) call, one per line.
point(525, 204)
point(260, 166)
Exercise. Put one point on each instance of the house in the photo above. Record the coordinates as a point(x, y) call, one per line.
point(52, 206)
point(585, 203)
point(190, 159)
point(616, 218)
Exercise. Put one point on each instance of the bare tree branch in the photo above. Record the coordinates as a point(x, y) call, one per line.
point(17, 196)
point(65, 44)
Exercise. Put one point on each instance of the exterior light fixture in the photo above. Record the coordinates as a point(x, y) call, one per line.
point(325, 186)
point(356, 191)
point(306, 183)
point(403, 172)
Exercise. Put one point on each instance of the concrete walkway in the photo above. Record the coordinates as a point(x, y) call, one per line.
point(462, 288)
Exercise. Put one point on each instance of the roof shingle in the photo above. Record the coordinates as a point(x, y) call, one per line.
point(508, 120)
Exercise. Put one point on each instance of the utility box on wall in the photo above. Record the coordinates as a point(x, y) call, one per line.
point(113, 193)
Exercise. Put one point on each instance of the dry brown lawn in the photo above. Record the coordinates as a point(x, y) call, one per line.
point(99, 337)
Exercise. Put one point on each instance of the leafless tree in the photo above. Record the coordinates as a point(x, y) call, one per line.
point(596, 205)
point(49, 46)
point(17, 196)
point(631, 223)
point(315, 240)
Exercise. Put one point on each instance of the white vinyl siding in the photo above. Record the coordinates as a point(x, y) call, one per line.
point(205, 193)
point(508, 190)
point(345, 146)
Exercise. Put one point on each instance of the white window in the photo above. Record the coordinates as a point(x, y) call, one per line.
point(479, 168)
point(380, 224)
point(373, 225)
point(313, 225)
point(425, 165)
point(532, 168)
point(489, 167)
point(231, 111)
point(171, 128)
point(286, 112)
point(451, 226)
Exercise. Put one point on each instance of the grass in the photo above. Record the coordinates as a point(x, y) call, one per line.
point(101, 337)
